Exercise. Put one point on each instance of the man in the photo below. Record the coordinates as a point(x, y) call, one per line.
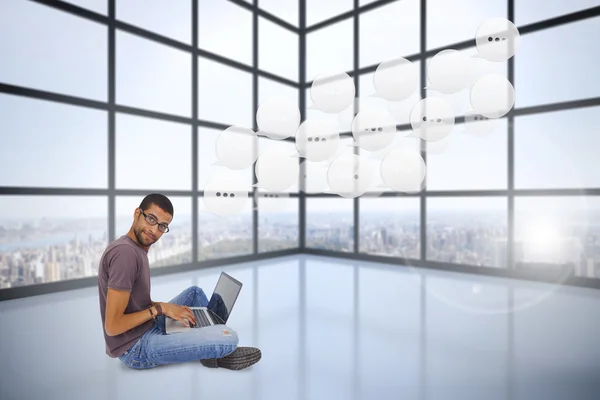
point(134, 325)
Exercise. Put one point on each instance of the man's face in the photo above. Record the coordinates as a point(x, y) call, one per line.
point(146, 233)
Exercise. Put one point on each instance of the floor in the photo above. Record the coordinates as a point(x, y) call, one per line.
point(329, 328)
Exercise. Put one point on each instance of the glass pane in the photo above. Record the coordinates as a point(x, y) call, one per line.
point(48, 56)
point(470, 231)
point(529, 11)
point(168, 19)
point(547, 74)
point(52, 144)
point(317, 11)
point(144, 144)
point(286, 10)
point(390, 227)
point(173, 247)
point(153, 76)
point(224, 94)
point(268, 89)
point(389, 32)
point(278, 223)
point(225, 28)
point(559, 234)
point(275, 40)
point(207, 159)
point(99, 6)
point(556, 150)
point(51, 238)
point(465, 161)
point(450, 22)
point(221, 237)
point(330, 50)
point(330, 224)
point(276, 174)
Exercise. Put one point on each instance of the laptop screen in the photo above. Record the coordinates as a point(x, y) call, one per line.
point(224, 296)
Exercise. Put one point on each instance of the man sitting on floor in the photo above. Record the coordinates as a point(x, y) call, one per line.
point(134, 325)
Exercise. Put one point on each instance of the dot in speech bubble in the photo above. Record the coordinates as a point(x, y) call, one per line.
point(479, 125)
point(317, 140)
point(403, 169)
point(276, 170)
point(432, 119)
point(350, 175)
point(225, 194)
point(492, 96)
point(373, 129)
point(277, 118)
point(332, 93)
point(232, 148)
point(450, 71)
point(497, 39)
point(396, 80)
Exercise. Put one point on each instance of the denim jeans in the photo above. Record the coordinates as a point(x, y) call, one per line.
point(156, 348)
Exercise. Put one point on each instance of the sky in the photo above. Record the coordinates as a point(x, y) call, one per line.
point(53, 145)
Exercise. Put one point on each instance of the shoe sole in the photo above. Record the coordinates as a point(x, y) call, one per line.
point(241, 358)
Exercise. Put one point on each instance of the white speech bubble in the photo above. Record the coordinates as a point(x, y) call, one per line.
point(226, 194)
point(277, 118)
point(350, 175)
point(492, 96)
point(234, 148)
point(276, 170)
point(432, 119)
point(373, 129)
point(497, 39)
point(403, 169)
point(274, 203)
point(317, 140)
point(396, 80)
point(362, 103)
point(479, 125)
point(332, 93)
point(450, 71)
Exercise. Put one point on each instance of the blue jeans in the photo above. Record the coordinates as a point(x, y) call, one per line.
point(156, 348)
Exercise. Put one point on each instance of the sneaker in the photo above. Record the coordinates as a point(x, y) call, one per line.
point(242, 357)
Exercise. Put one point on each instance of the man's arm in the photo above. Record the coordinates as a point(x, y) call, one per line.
point(117, 322)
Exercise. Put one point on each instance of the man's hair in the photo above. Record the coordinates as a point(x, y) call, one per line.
point(158, 199)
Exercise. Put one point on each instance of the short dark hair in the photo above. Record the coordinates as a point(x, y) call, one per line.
point(158, 199)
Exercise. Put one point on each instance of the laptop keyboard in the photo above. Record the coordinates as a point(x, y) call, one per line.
point(201, 319)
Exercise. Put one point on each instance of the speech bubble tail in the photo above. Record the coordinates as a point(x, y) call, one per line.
point(312, 107)
point(374, 95)
point(217, 164)
point(478, 55)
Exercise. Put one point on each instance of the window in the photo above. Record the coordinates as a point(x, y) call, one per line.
point(458, 21)
point(530, 11)
point(277, 50)
point(330, 50)
point(224, 94)
point(389, 32)
point(44, 53)
point(558, 236)
point(175, 246)
point(318, 11)
point(390, 227)
point(278, 222)
point(99, 6)
point(556, 150)
point(269, 89)
point(546, 72)
point(152, 76)
point(225, 28)
point(152, 154)
point(286, 10)
point(222, 237)
point(172, 20)
point(49, 238)
point(330, 224)
point(470, 231)
point(52, 144)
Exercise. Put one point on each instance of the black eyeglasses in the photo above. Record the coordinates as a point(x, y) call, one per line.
point(164, 228)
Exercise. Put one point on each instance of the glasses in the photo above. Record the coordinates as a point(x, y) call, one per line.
point(164, 228)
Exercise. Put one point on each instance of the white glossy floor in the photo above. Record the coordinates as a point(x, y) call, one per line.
point(329, 329)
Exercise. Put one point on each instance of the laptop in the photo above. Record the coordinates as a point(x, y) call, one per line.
point(218, 310)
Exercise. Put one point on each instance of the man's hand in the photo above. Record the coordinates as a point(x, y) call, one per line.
point(179, 313)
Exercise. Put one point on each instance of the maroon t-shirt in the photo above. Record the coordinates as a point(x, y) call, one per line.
point(124, 266)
